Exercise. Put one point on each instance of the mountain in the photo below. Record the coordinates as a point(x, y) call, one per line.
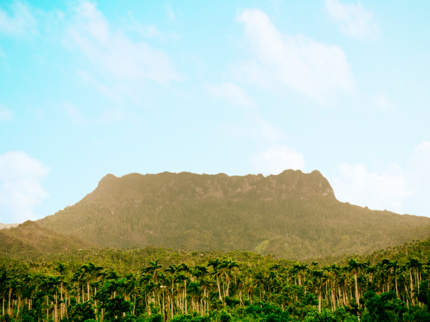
point(5, 226)
point(30, 240)
point(293, 215)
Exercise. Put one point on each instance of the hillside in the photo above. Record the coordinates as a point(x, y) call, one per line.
point(291, 215)
point(29, 240)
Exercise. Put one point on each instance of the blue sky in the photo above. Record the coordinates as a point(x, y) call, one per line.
point(90, 88)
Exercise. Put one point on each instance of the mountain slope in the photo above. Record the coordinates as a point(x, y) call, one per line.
point(30, 240)
point(292, 215)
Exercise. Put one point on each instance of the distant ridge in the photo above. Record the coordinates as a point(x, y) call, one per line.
point(30, 240)
point(6, 226)
point(293, 215)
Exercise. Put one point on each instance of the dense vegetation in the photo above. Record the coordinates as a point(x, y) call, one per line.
point(47, 276)
point(291, 215)
point(158, 284)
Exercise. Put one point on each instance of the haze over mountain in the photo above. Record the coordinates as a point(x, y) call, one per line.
point(293, 215)
point(5, 226)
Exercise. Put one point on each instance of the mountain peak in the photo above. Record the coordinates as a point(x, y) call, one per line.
point(186, 185)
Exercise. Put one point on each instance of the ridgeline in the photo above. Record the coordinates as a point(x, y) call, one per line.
point(292, 215)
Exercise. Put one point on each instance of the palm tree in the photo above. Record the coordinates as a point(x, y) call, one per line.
point(392, 266)
point(172, 270)
point(354, 266)
point(319, 276)
point(228, 266)
point(152, 268)
point(215, 264)
point(184, 268)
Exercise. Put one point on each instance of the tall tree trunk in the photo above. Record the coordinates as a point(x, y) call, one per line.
point(55, 308)
point(8, 302)
point(356, 288)
point(219, 288)
point(395, 281)
point(412, 287)
point(185, 297)
point(61, 298)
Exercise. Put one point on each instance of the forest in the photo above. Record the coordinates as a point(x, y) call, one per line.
point(157, 284)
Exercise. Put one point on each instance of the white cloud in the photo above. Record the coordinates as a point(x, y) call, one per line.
point(5, 114)
point(113, 54)
point(377, 191)
point(19, 22)
point(231, 93)
point(20, 186)
point(418, 175)
point(293, 62)
point(353, 20)
point(255, 127)
point(401, 190)
point(276, 159)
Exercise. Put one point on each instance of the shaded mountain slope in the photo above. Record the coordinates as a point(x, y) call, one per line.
point(30, 240)
point(292, 215)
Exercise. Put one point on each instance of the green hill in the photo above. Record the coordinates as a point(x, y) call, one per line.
point(29, 240)
point(291, 215)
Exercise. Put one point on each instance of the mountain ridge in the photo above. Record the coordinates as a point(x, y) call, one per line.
point(292, 215)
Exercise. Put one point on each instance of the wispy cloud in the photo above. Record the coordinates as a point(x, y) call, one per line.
point(17, 20)
point(276, 159)
point(353, 20)
point(257, 128)
point(231, 93)
point(170, 14)
point(150, 30)
point(285, 63)
point(75, 114)
point(5, 114)
point(105, 117)
point(383, 102)
point(114, 55)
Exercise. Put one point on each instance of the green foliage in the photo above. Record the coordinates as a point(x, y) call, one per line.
point(118, 306)
point(424, 294)
point(224, 316)
point(383, 308)
point(156, 318)
point(81, 312)
point(328, 316)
